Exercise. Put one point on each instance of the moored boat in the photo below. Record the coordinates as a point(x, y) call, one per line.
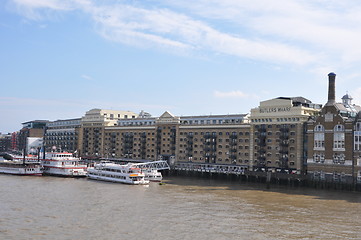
point(20, 168)
point(153, 175)
point(63, 164)
point(112, 172)
point(28, 158)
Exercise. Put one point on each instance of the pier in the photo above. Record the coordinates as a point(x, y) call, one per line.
point(242, 174)
point(238, 173)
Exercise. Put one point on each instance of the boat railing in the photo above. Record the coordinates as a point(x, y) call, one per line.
point(239, 170)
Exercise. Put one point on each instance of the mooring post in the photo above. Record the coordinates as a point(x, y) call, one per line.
point(268, 180)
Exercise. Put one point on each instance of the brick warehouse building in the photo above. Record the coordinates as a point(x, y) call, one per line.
point(62, 135)
point(91, 133)
point(234, 139)
point(213, 139)
point(334, 140)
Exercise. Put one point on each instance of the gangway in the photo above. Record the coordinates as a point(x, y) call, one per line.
point(155, 165)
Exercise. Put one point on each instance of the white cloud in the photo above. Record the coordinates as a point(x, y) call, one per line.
point(86, 77)
point(315, 34)
point(233, 94)
point(168, 29)
point(39, 9)
point(329, 32)
point(50, 4)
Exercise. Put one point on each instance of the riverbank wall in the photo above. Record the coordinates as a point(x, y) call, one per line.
point(269, 179)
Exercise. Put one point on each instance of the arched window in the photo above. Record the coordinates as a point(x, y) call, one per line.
point(319, 138)
point(339, 137)
point(319, 128)
point(339, 128)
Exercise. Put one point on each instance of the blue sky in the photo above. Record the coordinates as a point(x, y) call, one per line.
point(61, 58)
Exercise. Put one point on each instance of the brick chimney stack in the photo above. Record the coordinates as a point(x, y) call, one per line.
point(331, 89)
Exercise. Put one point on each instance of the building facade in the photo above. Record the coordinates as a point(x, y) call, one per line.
point(91, 134)
point(286, 134)
point(31, 129)
point(272, 138)
point(5, 142)
point(333, 146)
point(278, 134)
point(14, 141)
point(215, 139)
point(62, 135)
point(357, 148)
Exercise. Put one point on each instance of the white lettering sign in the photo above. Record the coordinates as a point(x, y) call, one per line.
point(275, 109)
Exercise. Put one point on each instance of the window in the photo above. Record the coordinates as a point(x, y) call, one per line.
point(358, 126)
point(319, 137)
point(339, 128)
point(357, 141)
point(339, 137)
point(339, 158)
point(357, 137)
point(319, 157)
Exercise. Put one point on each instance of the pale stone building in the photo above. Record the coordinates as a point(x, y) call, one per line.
point(278, 139)
point(91, 134)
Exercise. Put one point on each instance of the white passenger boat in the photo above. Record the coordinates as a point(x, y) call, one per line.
point(63, 164)
point(20, 168)
point(28, 158)
point(112, 172)
point(153, 175)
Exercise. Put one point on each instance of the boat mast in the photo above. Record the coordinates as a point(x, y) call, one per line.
point(39, 148)
point(24, 154)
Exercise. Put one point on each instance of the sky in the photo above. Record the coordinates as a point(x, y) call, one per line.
point(61, 58)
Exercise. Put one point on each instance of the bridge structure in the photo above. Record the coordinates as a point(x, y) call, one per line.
point(155, 165)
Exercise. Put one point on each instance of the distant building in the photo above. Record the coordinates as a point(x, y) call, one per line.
point(14, 141)
point(334, 140)
point(62, 135)
point(5, 142)
point(34, 129)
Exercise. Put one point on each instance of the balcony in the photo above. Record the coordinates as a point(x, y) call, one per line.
point(233, 136)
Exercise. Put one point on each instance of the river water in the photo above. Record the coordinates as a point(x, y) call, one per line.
point(182, 208)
